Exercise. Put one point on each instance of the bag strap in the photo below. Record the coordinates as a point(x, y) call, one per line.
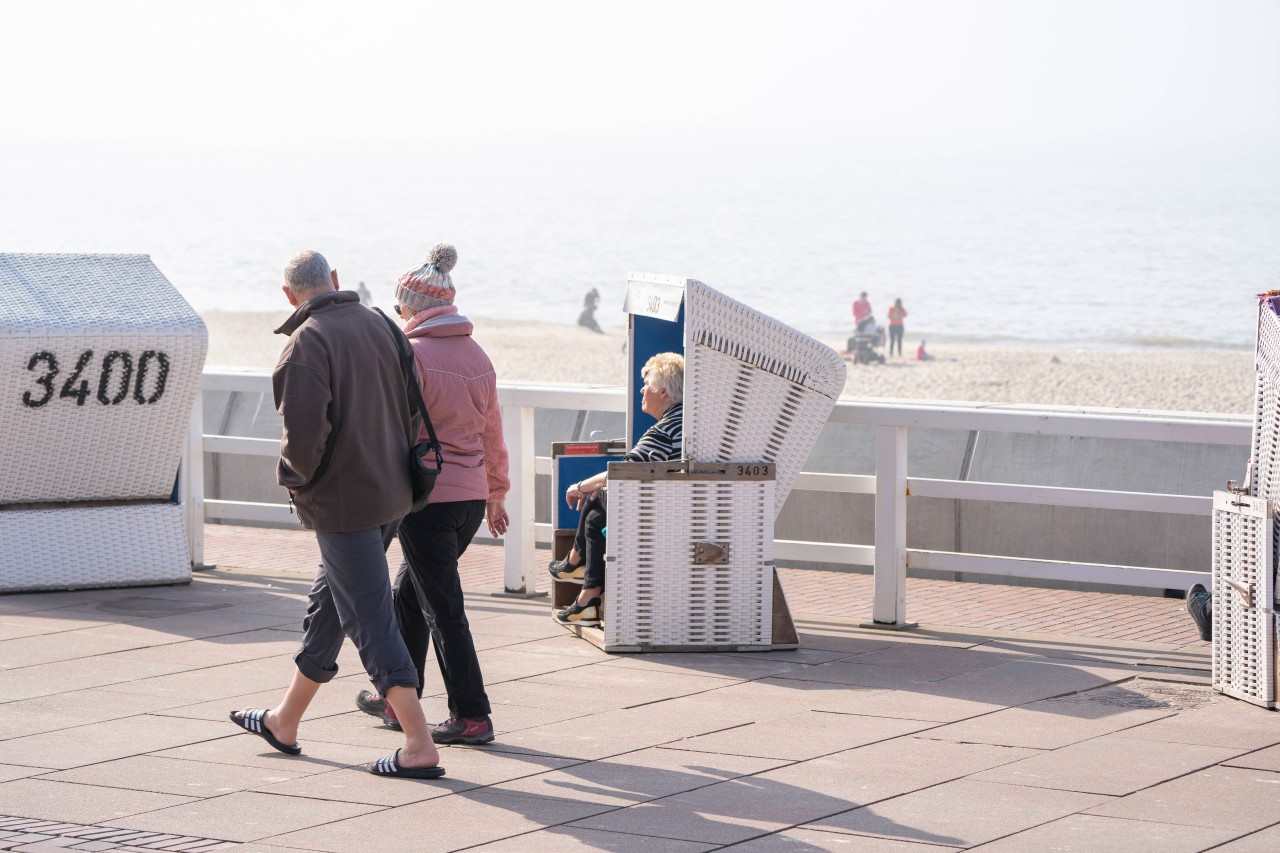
point(415, 393)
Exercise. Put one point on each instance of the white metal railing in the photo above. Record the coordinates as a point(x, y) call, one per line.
point(891, 486)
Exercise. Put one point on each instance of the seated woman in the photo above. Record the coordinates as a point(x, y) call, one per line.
point(662, 397)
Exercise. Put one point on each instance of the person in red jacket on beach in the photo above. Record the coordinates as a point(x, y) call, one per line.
point(460, 389)
point(861, 310)
point(896, 315)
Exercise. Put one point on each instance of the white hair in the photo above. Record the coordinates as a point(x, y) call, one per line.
point(307, 272)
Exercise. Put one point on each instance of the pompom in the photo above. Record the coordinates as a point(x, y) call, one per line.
point(443, 257)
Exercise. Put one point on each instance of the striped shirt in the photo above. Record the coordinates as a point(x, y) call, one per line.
point(663, 441)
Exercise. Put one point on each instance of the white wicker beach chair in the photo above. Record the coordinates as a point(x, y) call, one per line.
point(756, 390)
point(103, 360)
point(1244, 619)
point(690, 553)
point(1246, 624)
point(690, 558)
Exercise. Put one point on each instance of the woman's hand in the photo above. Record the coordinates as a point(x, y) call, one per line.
point(583, 489)
point(495, 513)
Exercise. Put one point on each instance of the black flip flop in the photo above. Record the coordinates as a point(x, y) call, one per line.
point(391, 766)
point(252, 722)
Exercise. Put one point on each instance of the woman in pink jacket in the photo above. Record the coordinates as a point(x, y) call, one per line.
point(460, 390)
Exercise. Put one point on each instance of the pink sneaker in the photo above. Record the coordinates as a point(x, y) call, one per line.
point(471, 730)
point(375, 705)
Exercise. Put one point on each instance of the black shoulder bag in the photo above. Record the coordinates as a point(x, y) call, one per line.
point(421, 475)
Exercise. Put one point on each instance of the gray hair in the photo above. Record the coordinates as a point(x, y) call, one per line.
point(306, 272)
point(665, 371)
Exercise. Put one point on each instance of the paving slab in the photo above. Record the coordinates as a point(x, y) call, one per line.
point(962, 813)
point(243, 816)
point(46, 623)
point(566, 839)
point(1223, 797)
point(768, 698)
point(175, 776)
point(69, 710)
point(1048, 724)
point(513, 662)
point(72, 675)
point(231, 648)
point(40, 798)
point(932, 662)
point(233, 679)
point(1089, 834)
point(243, 749)
point(615, 732)
point(868, 774)
point(740, 809)
point(629, 687)
point(218, 621)
point(336, 697)
point(15, 771)
point(1263, 759)
point(445, 823)
point(730, 666)
point(807, 734)
point(1026, 680)
point(95, 742)
point(804, 840)
point(637, 776)
point(1111, 764)
point(467, 768)
point(1221, 722)
point(1264, 841)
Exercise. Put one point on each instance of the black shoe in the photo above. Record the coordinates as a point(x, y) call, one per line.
point(587, 615)
point(562, 571)
point(1200, 606)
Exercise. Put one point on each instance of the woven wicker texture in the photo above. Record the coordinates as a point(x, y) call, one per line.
point(1244, 628)
point(80, 547)
point(102, 360)
point(658, 595)
point(756, 390)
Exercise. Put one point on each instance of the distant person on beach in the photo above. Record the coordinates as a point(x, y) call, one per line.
point(365, 297)
point(342, 395)
point(662, 397)
point(861, 311)
point(921, 355)
point(896, 315)
point(462, 401)
point(587, 318)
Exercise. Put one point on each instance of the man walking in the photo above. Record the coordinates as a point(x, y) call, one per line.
point(342, 394)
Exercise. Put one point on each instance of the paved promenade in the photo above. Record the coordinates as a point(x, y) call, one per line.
point(1014, 719)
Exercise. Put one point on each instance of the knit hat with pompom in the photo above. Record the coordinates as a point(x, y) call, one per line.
point(429, 285)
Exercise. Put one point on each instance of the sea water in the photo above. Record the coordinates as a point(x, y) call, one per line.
point(1007, 251)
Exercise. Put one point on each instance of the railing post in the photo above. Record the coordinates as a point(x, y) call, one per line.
point(191, 483)
point(889, 607)
point(519, 543)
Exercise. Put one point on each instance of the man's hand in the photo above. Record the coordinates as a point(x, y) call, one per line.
point(495, 513)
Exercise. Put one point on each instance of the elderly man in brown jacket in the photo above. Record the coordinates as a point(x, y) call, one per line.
point(344, 457)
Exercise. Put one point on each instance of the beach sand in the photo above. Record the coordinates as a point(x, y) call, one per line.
point(550, 353)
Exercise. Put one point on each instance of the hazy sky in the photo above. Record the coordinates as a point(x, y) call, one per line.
point(878, 74)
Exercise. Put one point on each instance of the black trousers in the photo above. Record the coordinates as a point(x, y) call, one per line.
point(589, 540)
point(895, 337)
point(428, 600)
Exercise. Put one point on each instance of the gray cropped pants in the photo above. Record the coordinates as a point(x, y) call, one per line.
point(351, 597)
